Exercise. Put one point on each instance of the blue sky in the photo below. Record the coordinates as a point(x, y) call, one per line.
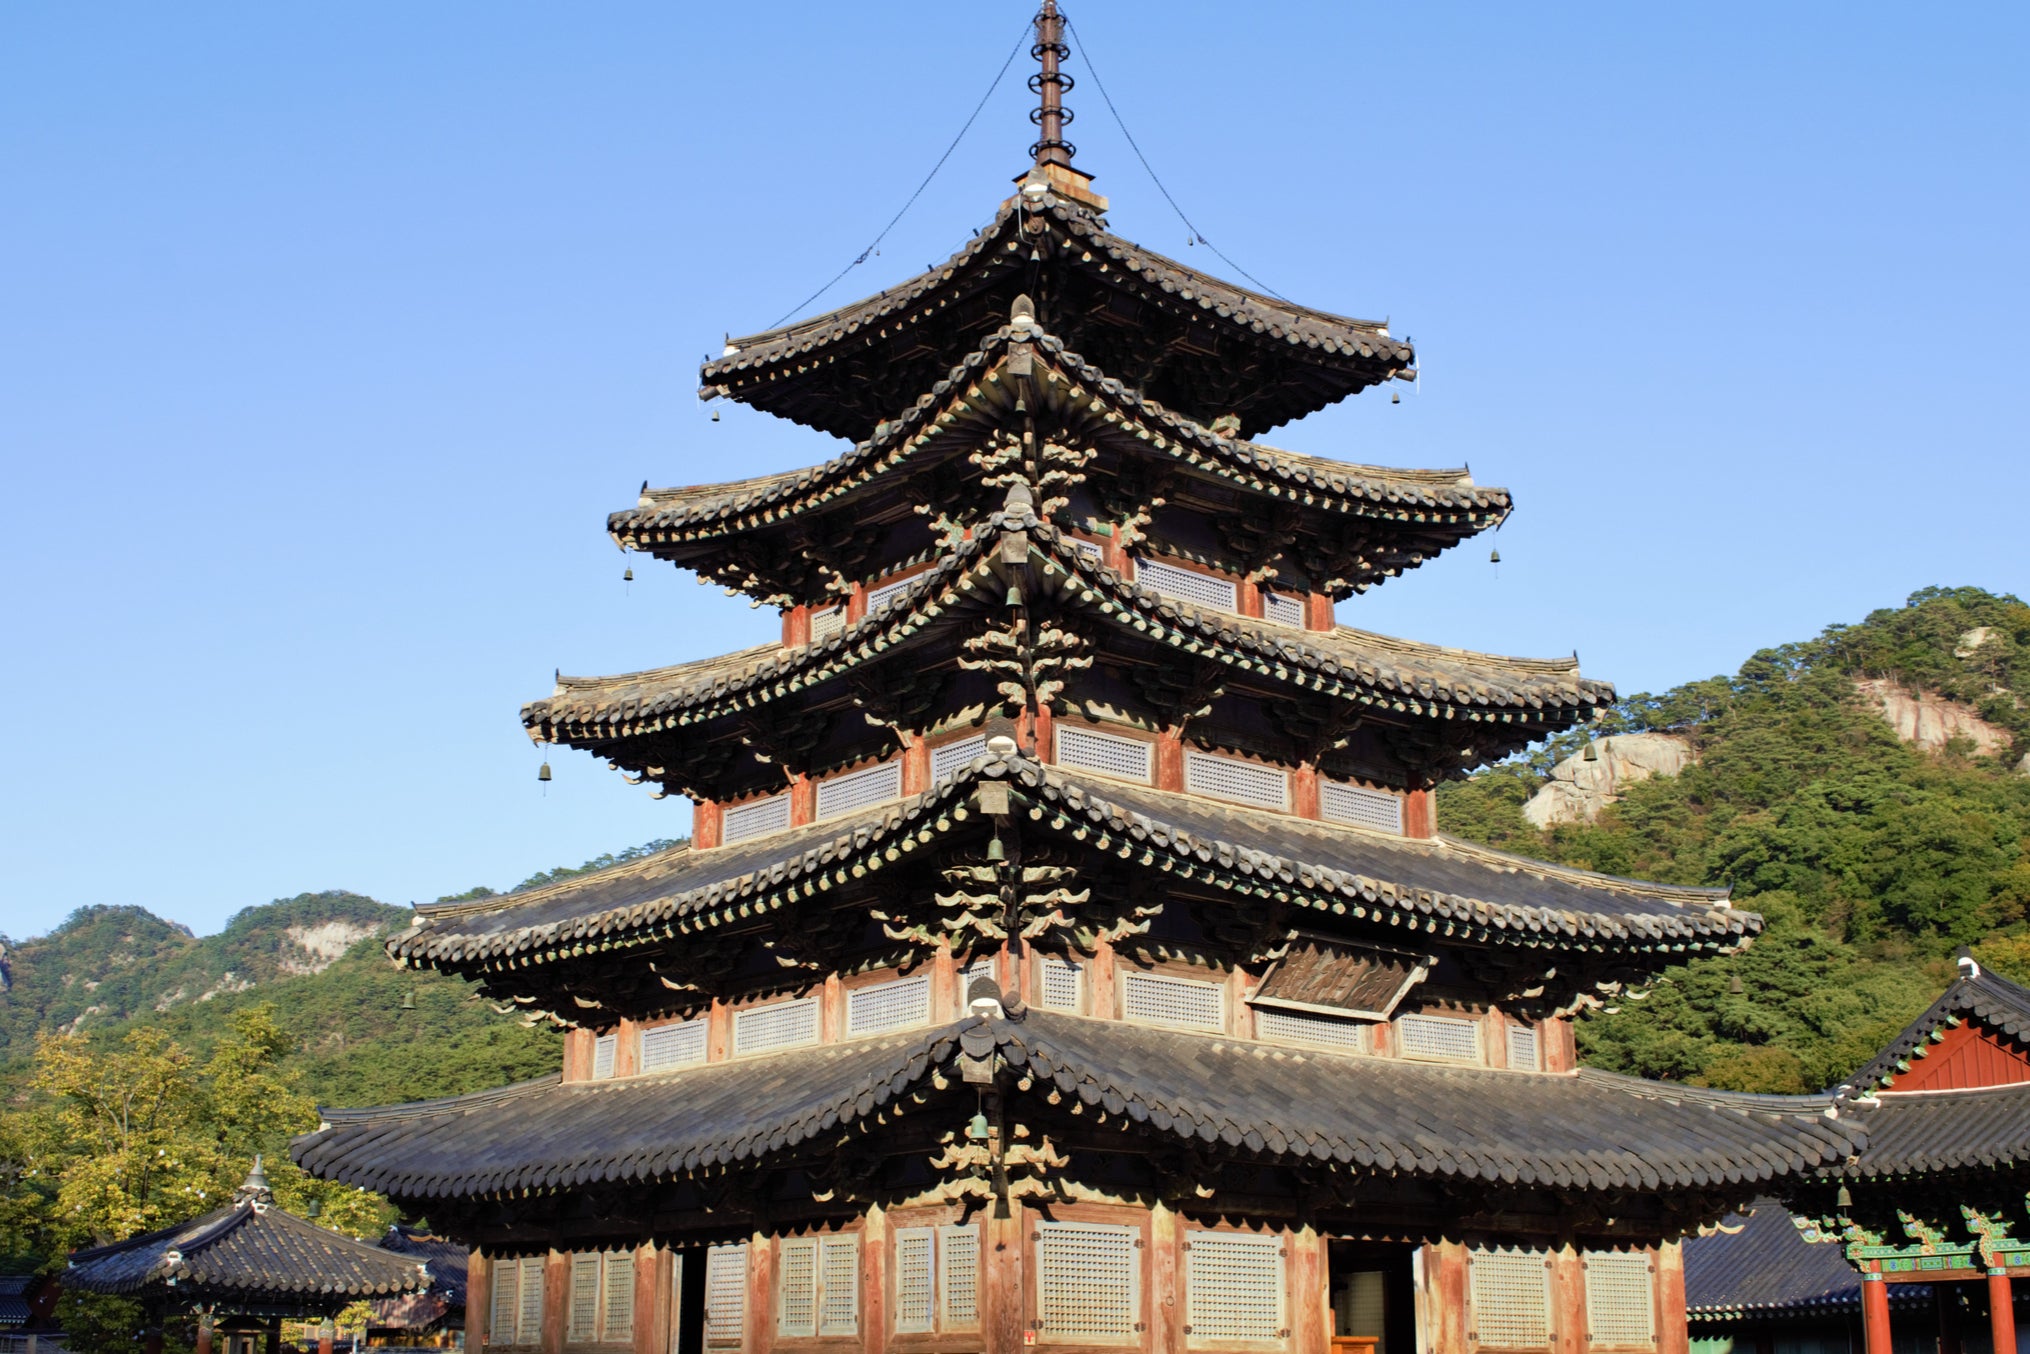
point(331, 333)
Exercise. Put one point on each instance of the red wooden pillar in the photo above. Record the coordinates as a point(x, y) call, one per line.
point(1875, 1314)
point(478, 1302)
point(708, 821)
point(204, 1333)
point(2001, 1312)
point(1304, 791)
point(1674, 1334)
point(327, 1335)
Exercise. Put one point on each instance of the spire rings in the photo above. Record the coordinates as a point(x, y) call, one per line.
point(1056, 49)
point(1036, 115)
point(1069, 148)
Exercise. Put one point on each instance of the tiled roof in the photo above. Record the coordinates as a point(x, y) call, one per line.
point(1977, 995)
point(1404, 675)
point(1415, 887)
point(251, 1250)
point(1586, 1131)
point(1926, 1132)
point(1311, 357)
point(707, 511)
point(1760, 1264)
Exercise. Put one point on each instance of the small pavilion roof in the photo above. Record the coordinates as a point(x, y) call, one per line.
point(1582, 1131)
point(1408, 886)
point(249, 1251)
point(841, 371)
point(1445, 505)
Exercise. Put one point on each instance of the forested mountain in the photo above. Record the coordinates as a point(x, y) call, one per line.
point(1871, 856)
point(360, 1031)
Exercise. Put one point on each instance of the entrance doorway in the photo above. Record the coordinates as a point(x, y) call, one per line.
point(1373, 1296)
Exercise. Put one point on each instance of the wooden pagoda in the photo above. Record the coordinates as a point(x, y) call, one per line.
point(1066, 953)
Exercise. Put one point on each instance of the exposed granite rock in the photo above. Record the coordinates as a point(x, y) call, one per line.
point(1929, 721)
point(1579, 788)
point(1972, 641)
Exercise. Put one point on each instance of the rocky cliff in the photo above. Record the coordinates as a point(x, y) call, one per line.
point(1581, 786)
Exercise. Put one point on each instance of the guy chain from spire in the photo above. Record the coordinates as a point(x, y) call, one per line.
point(1050, 84)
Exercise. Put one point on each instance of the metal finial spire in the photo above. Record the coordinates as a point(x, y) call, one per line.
point(255, 1187)
point(1050, 85)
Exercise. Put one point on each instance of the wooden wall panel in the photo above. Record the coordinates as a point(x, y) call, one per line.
point(1968, 1056)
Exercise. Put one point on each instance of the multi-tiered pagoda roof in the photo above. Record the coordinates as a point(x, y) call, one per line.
point(1067, 856)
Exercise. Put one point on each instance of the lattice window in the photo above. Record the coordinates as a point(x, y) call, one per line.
point(584, 1323)
point(1301, 1027)
point(603, 1049)
point(1265, 787)
point(826, 623)
point(675, 1045)
point(1281, 608)
point(839, 1285)
point(1620, 1298)
point(858, 789)
point(786, 1024)
point(1522, 1047)
point(1186, 1003)
point(1088, 1281)
point(796, 1303)
point(1356, 804)
point(937, 1279)
point(726, 1297)
point(500, 1313)
point(1061, 984)
point(529, 1317)
point(616, 1313)
point(1511, 1299)
point(1188, 585)
point(1448, 1037)
point(879, 1007)
point(1107, 753)
point(1233, 1287)
point(958, 1277)
point(754, 818)
point(915, 1279)
point(888, 592)
point(948, 759)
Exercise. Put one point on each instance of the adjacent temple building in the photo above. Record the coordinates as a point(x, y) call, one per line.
point(1066, 953)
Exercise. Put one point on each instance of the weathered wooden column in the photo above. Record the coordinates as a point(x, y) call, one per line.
point(1875, 1314)
point(203, 1333)
point(556, 1300)
point(478, 1302)
point(1441, 1305)
point(327, 1335)
point(151, 1332)
point(1674, 1334)
point(2001, 1311)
